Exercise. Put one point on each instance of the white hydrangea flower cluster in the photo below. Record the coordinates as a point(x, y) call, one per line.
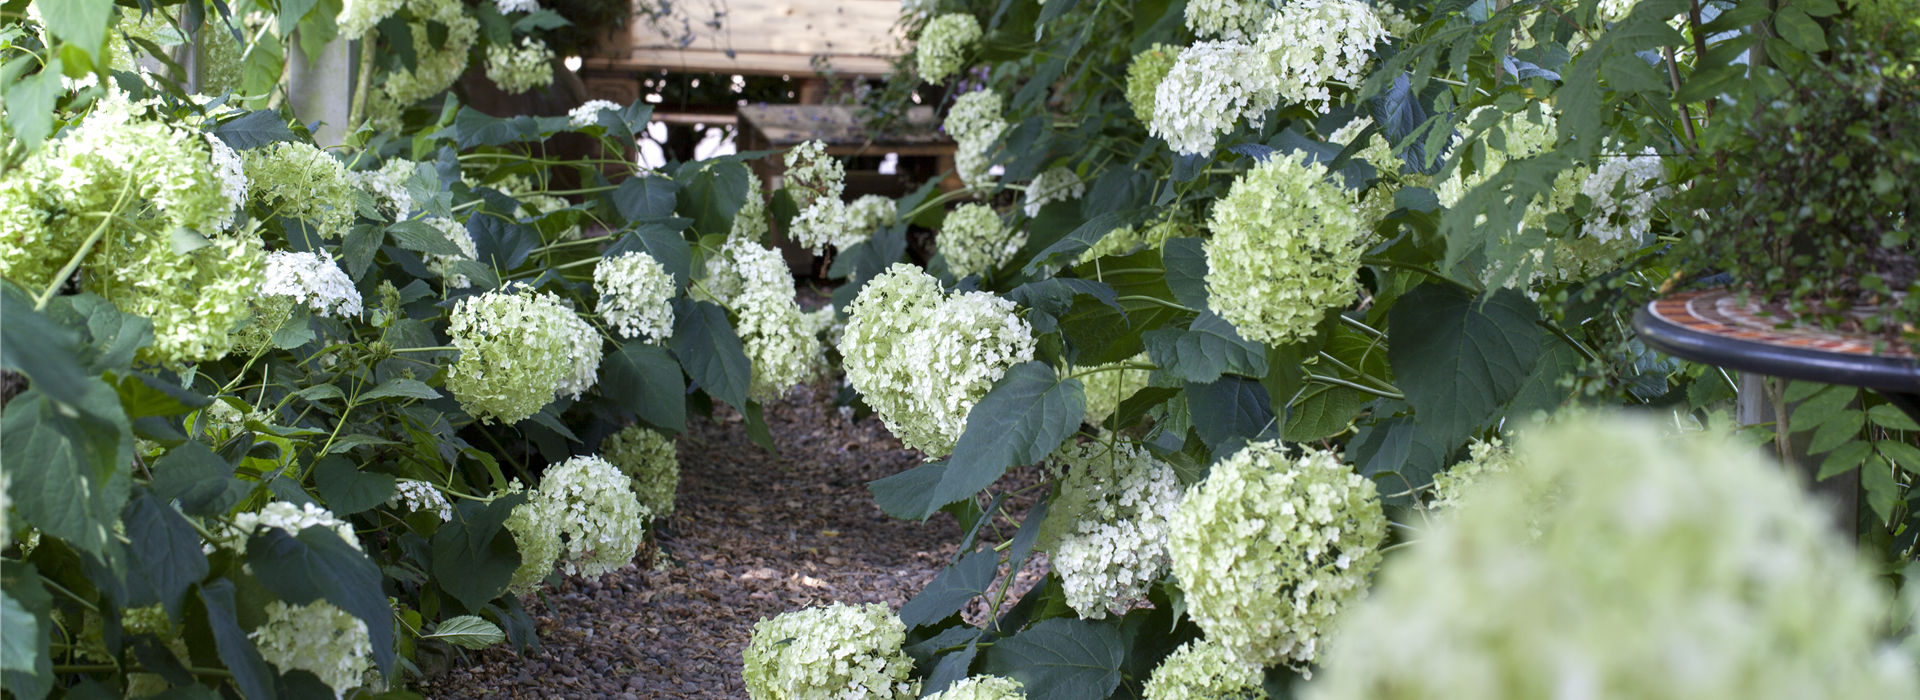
point(357, 17)
point(1286, 247)
point(1202, 670)
point(507, 7)
point(437, 65)
point(288, 518)
point(231, 171)
point(827, 222)
point(1398, 24)
point(416, 496)
point(1216, 83)
point(813, 175)
point(1054, 185)
point(1638, 180)
point(982, 688)
point(1271, 548)
point(839, 652)
point(1309, 42)
point(635, 296)
point(975, 124)
point(538, 539)
point(1486, 459)
point(1686, 567)
point(1106, 389)
point(944, 44)
point(518, 349)
point(974, 241)
point(1111, 514)
point(1144, 75)
point(751, 222)
point(649, 458)
point(442, 265)
point(593, 505)
point(313, 279)
point(922, 359)
point(519, 69)
point(870, 213)
point(1524, 138)
point(316, 637)
point(589, 114)
point(299, 181)
point(1227, 19)
point(388, 185)
point(755, 283)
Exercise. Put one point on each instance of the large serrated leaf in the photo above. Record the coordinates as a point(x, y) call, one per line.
point(419, 236)
point(319, 565)
point(469, 632)
point(665, 245)
point(1061, 659)
point(474, 557)
point(646, 380)
point(18, 633)
point(349, 490)
point(1459, 358)
point(713, 195)
point(166, 550)
point(1099, 333)
point(1205, 350)
point(1029, 412)
point(254, 130)
point(1229, 408)
point(646, 197)
point(950, 591)
point(72, 459)
point(710, 350)
point(34, 345)
point(198, 479)
point(236, 650)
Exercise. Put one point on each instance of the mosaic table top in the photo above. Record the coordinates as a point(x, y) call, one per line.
point(1718, 327)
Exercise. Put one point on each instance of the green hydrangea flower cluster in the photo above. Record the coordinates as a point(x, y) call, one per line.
point(1286, 247)
point(1486, 459)
point(316, 637)
point(593, 506)
point(1311, 42)
point(922, 358)
point(649, 458)
point(358, 16)
point(982, 688)
point(1271, 548)
point(1144, 74)
point(518, 350)
point(975, 124)
point(1106, 389)
point(388, 187)
point(751, 222)
point(1110, 519)
point(299, 181)
point(813, 175)
point(635, 296)
point(975, 241)
point(755, 283)
point(519, 69)
point(538, 539)
point(1227, 19)
point(1202, 670)
point(944, 44)
point(437, 65)
point(461, 238)
point(1053, 185)
point(839, 652)
point(1671, 567)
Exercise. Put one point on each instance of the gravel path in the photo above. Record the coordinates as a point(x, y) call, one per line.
point(753, 535)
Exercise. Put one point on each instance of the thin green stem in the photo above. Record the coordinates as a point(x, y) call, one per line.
point(1342, 366)
point(62, 590)
point(1430, 272)
point(436, 348)
point(1358, 326)
point(1158, 301)
point(1362, 388)
point(73, 263)
point(1557, 331)
point(1114, 368)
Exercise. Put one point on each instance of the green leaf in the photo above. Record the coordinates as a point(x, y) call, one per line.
point(1135, 407)
point(359, 247)
point(1800, 30)
point(347, 489)
point(627, 122)
point(1028, 413)
point(645, 379)
point(1098, 333)
point(34, 345)
point(143, 395)
point(319, 565)
point(1825, 404)
point(713, 195)
point(1230, 407)
point(1892, 418)
point(200, 480)
point(18, 633)
point(165, 549)
point(111, 336)
point(541, 20)
point(1542, 390)
point(1186, 263)
point(31, 101)
point(348, 442)
point(1882, 490)
point(1459, 359)
point(423, 185)
point(909, 495)
point(1397, 455)
point(1055, 8)
point(1079, 240)
point(474, 556)
point(72, 459)
point(757, 430)
point(664, 244)
point(399, 387)
point(1842, 427)
point(646, 197)
point(1844, 459)
point(79, 22)
point(1323, 411)
point(23, 586)
point(950, 591)
point(1207, 349)
point(253, 130)
point(1907, 456)
point(420, 236)
point(237, 653)
point(469, 632)
point(500, 244)
point(710, 351)
point(952, 668)
point(1061, 659)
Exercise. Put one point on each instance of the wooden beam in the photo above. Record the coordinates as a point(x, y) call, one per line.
point(741, 63)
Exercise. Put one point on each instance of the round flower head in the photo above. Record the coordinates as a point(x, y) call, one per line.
point(870, 213)
point(1624, 191)
point(755, 283)
point(1488, 458)
point(1110, 516)
point(1271, 548)
point(517, 70)
point(813, 175)
point(438, 63)
point(635, 295)
point(388, 185)
point(975, 124)
point(831, 223)
point(461, 238)
point(1310, 42)
point(982, 688)
point(288, 518)
point(589, 114)
point(538, 539)
point(1286, 247)
point(312, 279)
point(592, 504)
point(319, 638)
point(649, 458)
point(415, 496)
point(299, 181)
point(232, 174)
point(517, 350)
point(1202, 670)
point(1227, 19)
point(1524, 136)
point(839, 652)
point(1215, 83)
point(944, 45)
point(974, 241)
point(1054, 185)
point(751, 223)
point(1144, 74)
point(1106, 389)
point(358, 16)
point(1668, 568)
point(922, 359)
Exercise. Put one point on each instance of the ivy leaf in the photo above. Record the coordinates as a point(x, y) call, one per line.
point(1029, 412)
point(645, 379)
point(319, 565)
point(1459, 358)
point(1061, 659)
point(474, 556)
point(710, 350)
point(255, 129)
point(1208, 348)
point(950, 591)
point(469, 632)
point(1228, 408)
point(349, 490)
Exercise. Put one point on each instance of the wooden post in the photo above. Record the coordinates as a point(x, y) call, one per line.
point(319, 88)
point(1754, 404)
